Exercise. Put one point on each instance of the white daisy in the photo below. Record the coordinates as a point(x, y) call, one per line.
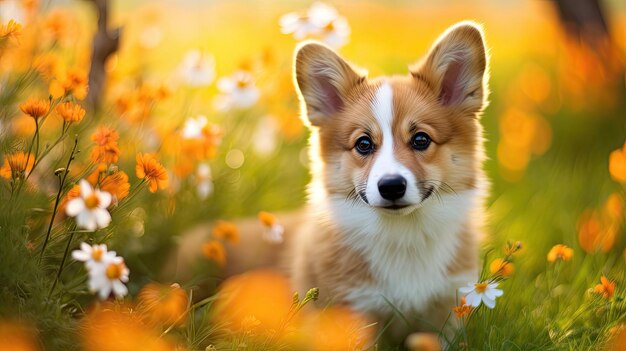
point(274, 234)
point(12, 10)
point(484, 292)
point(265, 137)
point(237, 91)
point(109, 277)
point(93, 255)
point(90, 208)
point(193, 128)
point(336, 33)
point(197, 69)
point(320, 22)
point(204, 184)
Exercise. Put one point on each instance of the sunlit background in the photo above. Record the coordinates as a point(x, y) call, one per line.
point(202, 91)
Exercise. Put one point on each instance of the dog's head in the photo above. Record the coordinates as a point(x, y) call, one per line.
point(394, 142)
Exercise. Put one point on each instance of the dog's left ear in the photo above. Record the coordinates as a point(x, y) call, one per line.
point(456, 68)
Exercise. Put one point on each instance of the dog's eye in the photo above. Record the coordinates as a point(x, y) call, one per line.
point(420, 141)
point(364, 145)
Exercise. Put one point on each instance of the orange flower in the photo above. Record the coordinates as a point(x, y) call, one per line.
point(11, 29)
point(106, 150)
point(111, 327)
point(606, 288)
point(596, 232)
point(163, 304)
point(214, 251)
point(15, 165)
point(337, 328)
point(617, 164)
point(267, 218)
point(15, 336)
point(227, 231)
point(70, 112)
point(264, 294)
point(560, 252)
point(35, 108)
point(116, 184)
point(47, 64)
point(74, 82)
point(149, 169)
point(462, 309)
point(56, 24)
point(501, 267)
point(423, 342)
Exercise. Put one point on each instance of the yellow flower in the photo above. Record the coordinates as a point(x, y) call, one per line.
point(617, 164)
point(214, 251)
point(501, 267)
point(560, 252)
point(35, 108)
point(606, 288)
point(70, 112)
point(163, 304)
point(15, 165)
point(152, 171)
point(11, 29)
point(106, 149)
point(227, 231)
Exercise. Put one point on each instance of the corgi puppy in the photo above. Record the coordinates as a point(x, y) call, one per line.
point(395, 203)
point(395, 207)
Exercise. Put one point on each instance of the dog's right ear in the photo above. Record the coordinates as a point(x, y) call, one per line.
point(323, 80)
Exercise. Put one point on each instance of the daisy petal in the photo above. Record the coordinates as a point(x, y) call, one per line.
point(102, 217)
point(466, 289)
point(74, 207)
point(79, 255)
point(119, 289)
point(105, 199)
point(491, 303)
point(85, 189)
point(473, 299)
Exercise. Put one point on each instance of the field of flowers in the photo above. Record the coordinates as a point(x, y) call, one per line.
point(125, 124)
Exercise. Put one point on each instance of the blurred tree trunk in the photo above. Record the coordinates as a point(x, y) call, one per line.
point(583, 20)
point(105, 43)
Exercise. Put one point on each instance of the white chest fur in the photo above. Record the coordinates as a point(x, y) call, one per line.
point(409, 255)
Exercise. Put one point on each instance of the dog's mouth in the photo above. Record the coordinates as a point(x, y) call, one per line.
point(396, 207)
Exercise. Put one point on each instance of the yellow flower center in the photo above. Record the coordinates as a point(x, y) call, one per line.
point(481, 287)
point(329, 27)
point(96, 254)
point(114, 271)
point(242, 83)
point(92, 201)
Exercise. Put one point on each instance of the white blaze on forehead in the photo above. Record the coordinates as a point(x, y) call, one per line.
point(386, 161)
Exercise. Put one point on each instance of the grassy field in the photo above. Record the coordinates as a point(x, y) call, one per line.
point(198, 121)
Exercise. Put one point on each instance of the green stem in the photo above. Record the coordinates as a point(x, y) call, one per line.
point(56, 202)
point(67, 249)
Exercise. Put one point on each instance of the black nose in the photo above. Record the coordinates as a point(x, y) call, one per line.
point(392, 186)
